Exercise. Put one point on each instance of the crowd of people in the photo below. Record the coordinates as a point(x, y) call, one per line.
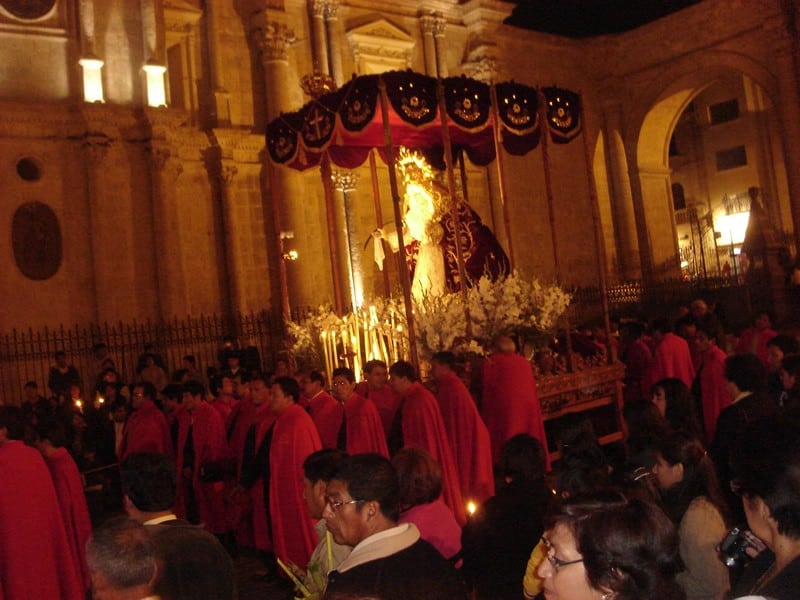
point(390, 488)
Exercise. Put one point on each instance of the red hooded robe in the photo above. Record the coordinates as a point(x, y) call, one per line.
point(35, 556)
point(385, 400)
point(327, 414)
point(146, 430)
point(423, 427)
point(293, 439)
point(364, 427)
point(468, 437)
point(208, 436)
point(74, 511)
point(671, 358)
point(510, 403)
point(713, 388)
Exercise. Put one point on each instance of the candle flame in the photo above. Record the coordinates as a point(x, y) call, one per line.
point(471, 507)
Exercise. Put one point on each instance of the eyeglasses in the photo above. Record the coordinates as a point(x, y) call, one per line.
point(337, 504)
point(340, 383)
point(557, 563)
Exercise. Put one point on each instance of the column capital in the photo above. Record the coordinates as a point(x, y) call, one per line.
point(427, 23)
point(344, 181)
point(439, 23)
point(227, 173)
point(273, 40)
point(318, 8)
point(331, 10)
point(165, 162)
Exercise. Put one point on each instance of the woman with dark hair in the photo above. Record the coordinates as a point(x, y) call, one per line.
point(790, 382)
point(605, 547)
point(421, 503)
point(766, 464)
point(674, 402)
point(693, 500)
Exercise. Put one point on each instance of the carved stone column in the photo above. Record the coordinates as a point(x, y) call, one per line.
point(166, 168)
point(625, 223)
point(345, 182)
point(334, 41)
point(273, 40)
point(439, 25)
point(233, 253)
point(426, 24)
point(320, 37)
point(95, 148)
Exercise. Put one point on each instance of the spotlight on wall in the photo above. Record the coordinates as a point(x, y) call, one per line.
point(156, 91)
point(92, 79)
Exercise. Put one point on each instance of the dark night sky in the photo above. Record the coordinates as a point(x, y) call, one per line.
point(587, 18)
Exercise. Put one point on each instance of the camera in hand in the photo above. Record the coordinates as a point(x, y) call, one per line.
point(733, 549)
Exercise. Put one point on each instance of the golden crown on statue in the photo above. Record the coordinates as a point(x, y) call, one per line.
point(414, 168)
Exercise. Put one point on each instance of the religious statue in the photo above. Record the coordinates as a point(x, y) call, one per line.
point(429, 234)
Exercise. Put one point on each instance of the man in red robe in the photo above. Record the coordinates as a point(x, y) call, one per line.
point(146, 429)
point(711, 373)
point(466, 431)
point(224, 400)
point(756, 338)
point(418, 422)
point(50, 440)
point(376, 388)
point(201, 444)
point(671, 356)
point(510, 402)
point(253, 467)
point(637, 356)
point(326, 412)
point(361, 430)
point(35, 556)
point(294, 438)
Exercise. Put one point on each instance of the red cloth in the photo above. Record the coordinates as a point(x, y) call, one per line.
point(293, 439)
point(263, 419)
point(510, 403)
point(423, 427)
point(146, 430)
point(468, 437)
point(327, 415)
point(35, 556)
point(208, 435)
point(671, 358)
point(74, 511)
point(637, 362)
point(713, 388)
point(238, 423)
point(755, 341)
point(364, 427)
point(385, 400)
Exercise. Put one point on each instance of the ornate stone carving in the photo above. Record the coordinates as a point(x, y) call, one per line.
point(227, 173)
point(484, 69)
point(164, 162)
point(439, 23)
point(318, 8)
point(273, 40)
point(331, 10)
point(427, 24)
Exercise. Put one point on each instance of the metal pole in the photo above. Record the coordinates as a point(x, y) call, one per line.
point(286, 312)
point(548, 184)
point(376, 197)
point(325, 171)
point(398, 220)
point(498, 153)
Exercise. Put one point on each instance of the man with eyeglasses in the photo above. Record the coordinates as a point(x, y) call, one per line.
point(146, 430)
point(390, 561)
point(361, 429)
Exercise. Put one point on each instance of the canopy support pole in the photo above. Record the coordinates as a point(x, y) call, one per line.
point(283, 281)
point(405, 282)
point(498, 154)
point(327, 184)
point(376, 197)
point(548, 185)
point(600, 246)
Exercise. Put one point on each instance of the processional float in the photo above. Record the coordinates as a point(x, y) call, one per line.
point(444, 119)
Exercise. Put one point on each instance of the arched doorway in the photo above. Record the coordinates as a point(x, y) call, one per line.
point(712, 134)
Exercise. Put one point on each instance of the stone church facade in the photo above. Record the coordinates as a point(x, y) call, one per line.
point(135, 183)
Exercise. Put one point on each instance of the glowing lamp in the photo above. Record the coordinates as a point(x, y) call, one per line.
point(92, 79)
point(471, 508)
point(156, 91)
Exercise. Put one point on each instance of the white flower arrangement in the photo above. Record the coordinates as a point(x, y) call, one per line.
point(515, 305)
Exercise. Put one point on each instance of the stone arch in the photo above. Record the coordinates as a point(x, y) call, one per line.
point(650, 125)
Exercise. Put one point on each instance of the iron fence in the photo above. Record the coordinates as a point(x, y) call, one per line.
point(28, 355)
